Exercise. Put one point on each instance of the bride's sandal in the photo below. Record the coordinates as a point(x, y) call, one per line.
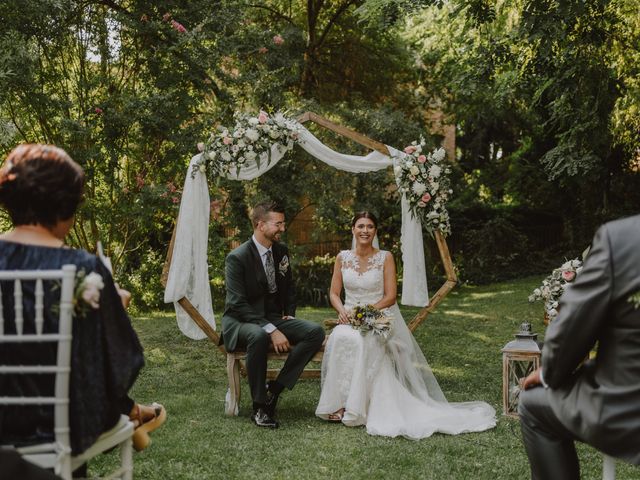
point(337, 416)
point(141, 439)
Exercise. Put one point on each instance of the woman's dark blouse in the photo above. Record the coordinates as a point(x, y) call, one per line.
point(106, 354)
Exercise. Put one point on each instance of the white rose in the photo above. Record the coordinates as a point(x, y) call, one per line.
point(414, 170)
point(252, 134)
point(253, 121)
point(241, 143)
point(274, 134)
point(211, 155)
point(397, 170)
point(250, 155)
point(90, 287)
point(435, 186)
point(419, 188)
point(226, 156)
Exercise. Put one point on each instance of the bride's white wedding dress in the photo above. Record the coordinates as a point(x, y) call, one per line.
point(387, 385)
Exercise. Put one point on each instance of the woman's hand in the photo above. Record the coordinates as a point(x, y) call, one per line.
point(343, 316)
point(125, 296)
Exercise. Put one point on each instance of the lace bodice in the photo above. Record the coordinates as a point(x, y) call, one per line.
point(363, 284)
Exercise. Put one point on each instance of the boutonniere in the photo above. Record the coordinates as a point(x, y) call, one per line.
point(283, 266)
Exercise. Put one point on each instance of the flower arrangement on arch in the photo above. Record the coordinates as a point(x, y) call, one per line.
point(554, 286)
point(248, 142)
point(367, 318)
point(423, 177)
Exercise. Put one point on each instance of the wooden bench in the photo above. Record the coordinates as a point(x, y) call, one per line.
point(235, 365)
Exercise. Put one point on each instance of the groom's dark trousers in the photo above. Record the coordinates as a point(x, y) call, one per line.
point(596, 402)
point(249, 307)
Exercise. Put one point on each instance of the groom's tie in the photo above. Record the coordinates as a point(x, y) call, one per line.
point(270, 270)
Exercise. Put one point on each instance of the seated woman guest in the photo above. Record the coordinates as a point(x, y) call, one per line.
point(41, 188)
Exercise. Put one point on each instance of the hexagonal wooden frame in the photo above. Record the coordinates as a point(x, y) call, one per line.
point(451, 278)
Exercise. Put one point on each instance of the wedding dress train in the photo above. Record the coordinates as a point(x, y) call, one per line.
point(387, 385)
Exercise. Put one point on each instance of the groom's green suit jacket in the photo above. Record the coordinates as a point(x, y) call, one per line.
point(247, 290)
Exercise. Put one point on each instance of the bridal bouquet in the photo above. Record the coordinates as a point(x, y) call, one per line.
point(424, 178)
point(248, 143)
point(554, 285)
point(368, 318)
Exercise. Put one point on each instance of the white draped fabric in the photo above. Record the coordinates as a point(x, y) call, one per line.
point(188, 273)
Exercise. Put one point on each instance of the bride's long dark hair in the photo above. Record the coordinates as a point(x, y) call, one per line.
point(364, 214)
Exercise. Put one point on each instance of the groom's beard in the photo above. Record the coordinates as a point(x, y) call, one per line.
point(273, 237)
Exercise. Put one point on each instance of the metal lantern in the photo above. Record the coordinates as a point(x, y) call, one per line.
point(520, 357)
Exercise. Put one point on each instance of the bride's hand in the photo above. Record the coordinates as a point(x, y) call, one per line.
point(343, 317)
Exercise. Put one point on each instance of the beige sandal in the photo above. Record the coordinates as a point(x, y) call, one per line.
point(141, 439)
point(337, 416)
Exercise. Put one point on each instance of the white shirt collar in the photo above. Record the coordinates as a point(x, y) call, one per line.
point(261, 248)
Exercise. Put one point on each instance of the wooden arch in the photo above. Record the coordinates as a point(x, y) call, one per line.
point(451, 278)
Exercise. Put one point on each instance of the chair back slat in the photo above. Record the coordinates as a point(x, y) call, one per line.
point(17, 308)
point(61, 369)
point(39, 294)
point(1, 314)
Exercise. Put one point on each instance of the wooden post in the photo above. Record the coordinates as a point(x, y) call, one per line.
point(443, 291)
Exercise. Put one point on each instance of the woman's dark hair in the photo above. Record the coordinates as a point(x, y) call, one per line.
point(40, 184)
point(364, 214)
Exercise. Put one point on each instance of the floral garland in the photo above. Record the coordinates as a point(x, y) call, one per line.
point(249, 142)
point(554, 286)
point(424, 179)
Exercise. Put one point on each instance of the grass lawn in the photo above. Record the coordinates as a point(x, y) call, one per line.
point(462, 342)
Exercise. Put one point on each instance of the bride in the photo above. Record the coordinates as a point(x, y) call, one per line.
point(385, 384)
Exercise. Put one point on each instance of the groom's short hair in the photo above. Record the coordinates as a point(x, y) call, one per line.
point(261, 210)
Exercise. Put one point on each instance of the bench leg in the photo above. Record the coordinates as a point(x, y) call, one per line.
point(232, 401)
point(608, 467)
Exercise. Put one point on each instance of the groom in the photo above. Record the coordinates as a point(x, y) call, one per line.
point(596, 402)
point(260, 312)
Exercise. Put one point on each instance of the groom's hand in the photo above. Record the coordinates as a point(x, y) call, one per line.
point(280, 342)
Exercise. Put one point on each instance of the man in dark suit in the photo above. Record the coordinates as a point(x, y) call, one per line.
point(596, 402)
point(260, 311)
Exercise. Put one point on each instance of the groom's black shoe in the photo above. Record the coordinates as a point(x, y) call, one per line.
point(272, 400)
point(262, 419)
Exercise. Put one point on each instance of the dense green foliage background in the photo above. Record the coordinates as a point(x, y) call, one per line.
point(545, 97)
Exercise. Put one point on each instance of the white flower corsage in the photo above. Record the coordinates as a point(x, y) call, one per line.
point(87, 293)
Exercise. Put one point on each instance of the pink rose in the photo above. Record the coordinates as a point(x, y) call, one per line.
point(262, 117)
point(166, 17)
point(278, 40)
point(178, 26)
point(200, 147)
point(263, 50)
point(426, 197)
point(98, 110)
point(409, 150)
point(227, 140)
point(568, 275)
point(175, 199)
point(422, 159)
